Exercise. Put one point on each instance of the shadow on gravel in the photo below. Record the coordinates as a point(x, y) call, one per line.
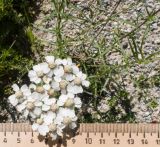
point(61, 141)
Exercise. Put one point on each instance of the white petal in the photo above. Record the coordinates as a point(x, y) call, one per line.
point(53, 136)
point(30, 99)
point(35, 126)
point(20, 107)
point(58, 119)
point(58, 61)
point(33, 116)
point(51, 73)
point(59, 132)
point(85, 83)
point(35, 80)
point(24, 88)
point(43, 130)
point(35, 95)
point(74, 118)
point(49, 101)
point(57, 79)
point(50, 59)
point(62, 99)
point(46, 86)
point(48, 119)
point(55, 86)
point(84, 76)
point(37, 68)
point(45, 68)
point(37, 111)
point(63, 91)
point(69, 77)
point(15, 87)
point(13, 100)
point(69, 61)
point(60, 127)
point(38, 103)
point(74, 89)
point(32, 74)
point(75, 69)
point(27, 93)
point(25, 113)
point(38, 80)
point(44, 96)
point(60, 103)
point(64, 62)
point(58, 71)
point(70, 95)
point(77, 102)
point(79, 74)
point(70, 88)
point(78, 89)
point(47, 79)
point(45, 107)
point(32, 86)
point(73, 125)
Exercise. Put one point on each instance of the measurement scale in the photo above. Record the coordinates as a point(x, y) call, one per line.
point(87, 135)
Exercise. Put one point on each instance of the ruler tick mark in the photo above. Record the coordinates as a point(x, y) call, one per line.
point(87, 134)
point(80, 133)
point(32, 134)
point(101, 135)
point(108, 133)
point(115, 134)
point(144, 135)
point(130, 136)
point(122, 133)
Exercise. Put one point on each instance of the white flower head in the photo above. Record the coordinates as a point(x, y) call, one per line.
point(51, 61)
point(19, 95)
point(69, 100)
point(38, 71)
point(51, 97)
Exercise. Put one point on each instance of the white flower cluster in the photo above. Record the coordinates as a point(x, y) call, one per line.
point(51, 98)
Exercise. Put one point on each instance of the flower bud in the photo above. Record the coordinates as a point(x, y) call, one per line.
point(67, 120)
point(54, 107)
point(39, 121)
point(40, 89)
point(46, 79)
point(52, 65)
point(63, 84)
point(69, 102)
point(67, 69)
point(51, 92)
point(30, 105)
point(77, 81)
point(39, 73)
point(52, 127)
point(19, 94)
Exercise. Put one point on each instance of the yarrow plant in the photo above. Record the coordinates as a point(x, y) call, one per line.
point(51, 98)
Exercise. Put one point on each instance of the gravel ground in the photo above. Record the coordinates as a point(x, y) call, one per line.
point(83, 30)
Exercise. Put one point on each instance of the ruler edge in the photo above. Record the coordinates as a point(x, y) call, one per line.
point(92, 127)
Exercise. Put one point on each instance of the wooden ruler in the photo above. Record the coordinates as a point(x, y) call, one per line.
point(87, 135)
